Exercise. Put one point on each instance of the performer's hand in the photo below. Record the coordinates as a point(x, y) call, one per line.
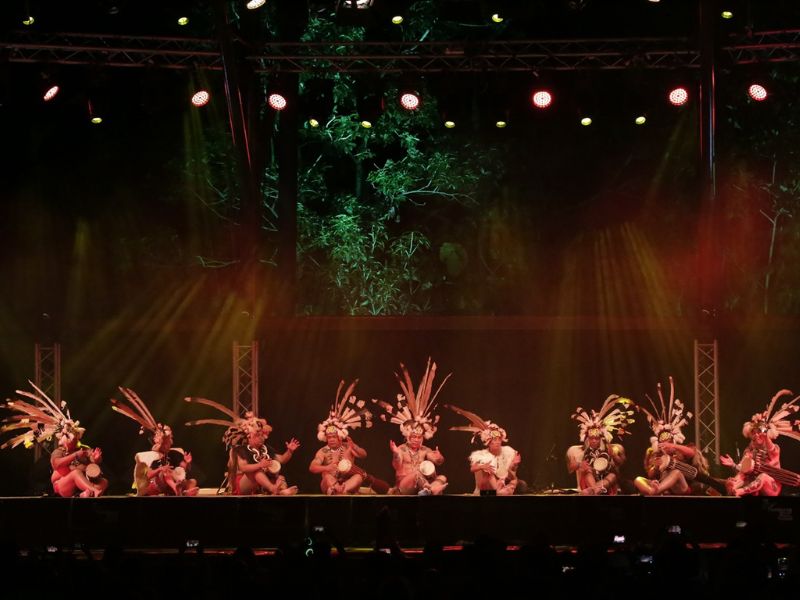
point(265, 463)
point(436, 455)
point(489, 468)
point(187, 457)
point(726, 460)
point(332, 468)
point(97, 455)
point(292, 445)
point(584, 467)
point(392, 446)
point(517, 459)
point(666, 445)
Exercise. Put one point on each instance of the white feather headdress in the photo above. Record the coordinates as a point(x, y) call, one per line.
point(346, 413)
point(775, 423)
point(238, 428)
point(485, 430)
point(41, 419)
point(414, 411)
point(670, 418)
point(137, 410)
point(612, 418)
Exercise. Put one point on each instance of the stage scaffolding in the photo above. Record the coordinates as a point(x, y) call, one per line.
point(245, 378)
point(706, 399)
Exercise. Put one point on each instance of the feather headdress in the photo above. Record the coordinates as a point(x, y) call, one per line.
point(667, 421)
point(414, 411)
point(346, 413)
point(137, 410)
point(612, 419)
point(40, 419)
point(238, 428)
point(485, 430)
point(775, 423)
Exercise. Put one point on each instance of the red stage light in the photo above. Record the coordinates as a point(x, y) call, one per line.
point(409, 101)
point(277, 101)
point(757, 92)
point(542, 99)
point(679, 96)
point(201, 98)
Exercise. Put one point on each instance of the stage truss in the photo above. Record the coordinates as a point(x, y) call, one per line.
point(706, 399)
point(245, 378)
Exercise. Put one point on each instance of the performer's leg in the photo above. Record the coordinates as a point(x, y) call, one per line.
point(646, 487)
point(76, 479)
point(408, 484)
point(674, 482)
point(189, 487)
point(352, 484)
point(438, 485)
point(327, 483)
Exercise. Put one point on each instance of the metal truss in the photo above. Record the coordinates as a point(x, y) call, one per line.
point(706, 399)
point(245, 378)
point(413, 57)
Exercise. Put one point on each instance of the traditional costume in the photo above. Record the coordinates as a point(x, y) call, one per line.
point(495, 466)
point(415, 464)
point(597, 461)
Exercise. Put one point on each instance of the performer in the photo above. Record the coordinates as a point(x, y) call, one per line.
point(495, 467)
point(76, 467)
point(671, 466)
point(335, 462)
point(759, 471)
point(596, 463)
point(163, 469)
point(251, 468)
point(415, 464)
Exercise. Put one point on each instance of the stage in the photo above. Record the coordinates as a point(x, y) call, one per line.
point(358, 521)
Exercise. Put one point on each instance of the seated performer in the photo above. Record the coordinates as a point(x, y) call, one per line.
point(251, 469)
point(335, 462)
point(415, 464)
point(596, 463)
point(759, 471)
point(495, 467)
point(163, 469)
point(671, 466)
point(76, 468)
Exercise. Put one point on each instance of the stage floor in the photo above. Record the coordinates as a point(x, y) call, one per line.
point(358, 521)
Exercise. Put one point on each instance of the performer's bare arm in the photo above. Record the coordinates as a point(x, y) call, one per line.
point(317, 466)
point(357, 450)
point(291, 446)
point(687, 452)
point(58, 462)
point(435, 456)
point(397, 459)
point(246, 467)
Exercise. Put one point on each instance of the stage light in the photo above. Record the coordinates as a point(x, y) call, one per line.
point(586, 121)
point(449, 124)
point(183, 21)
point(678, 96)
point(357, 4)
point(96, 120)
point(254, 4)
point(501, 124)
point(366, 124)
point(277, 101)
point(654, 1)
point(397, 19)
point(497, 18)
point(313, 123)
point(757, 92)
point(726, 14)
point(29, 21)
point(409, 100)
point(51, 93)
point(200, 98)
point(641, 120)
point(542, 98)
point(94, 116)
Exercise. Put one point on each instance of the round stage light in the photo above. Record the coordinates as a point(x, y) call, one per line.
point(409, 100)
point(51, 93)
point(542, 98)
point(497, 18)
point(201, 98)
point(29, 21)
point(397, 19)
point(679, 96)
point(641, 120)
point(313, 123)
point(183, 21)
point(366, 124)
point(501, 124)
point(254, 4)
point(757, 92)
point(96, 120)
point(277, 101)
point(586, 121)
point(449, 124)
point(726, 14)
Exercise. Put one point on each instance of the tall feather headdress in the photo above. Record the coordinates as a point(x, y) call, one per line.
point(479, 428)
point(667, 421)
point(40, 419)
point(238, 428)
point(415, 411)
point(347, 412)
point(612, 419)
point(137, 411)
point(774, 421)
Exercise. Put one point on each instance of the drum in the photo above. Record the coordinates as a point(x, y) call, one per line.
point(344, 466)
point(427, 468)
point(274, 467)
point(600, 464)
point(93, 471)
point(178, 474)
point(747, 465)
point(665, 463)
